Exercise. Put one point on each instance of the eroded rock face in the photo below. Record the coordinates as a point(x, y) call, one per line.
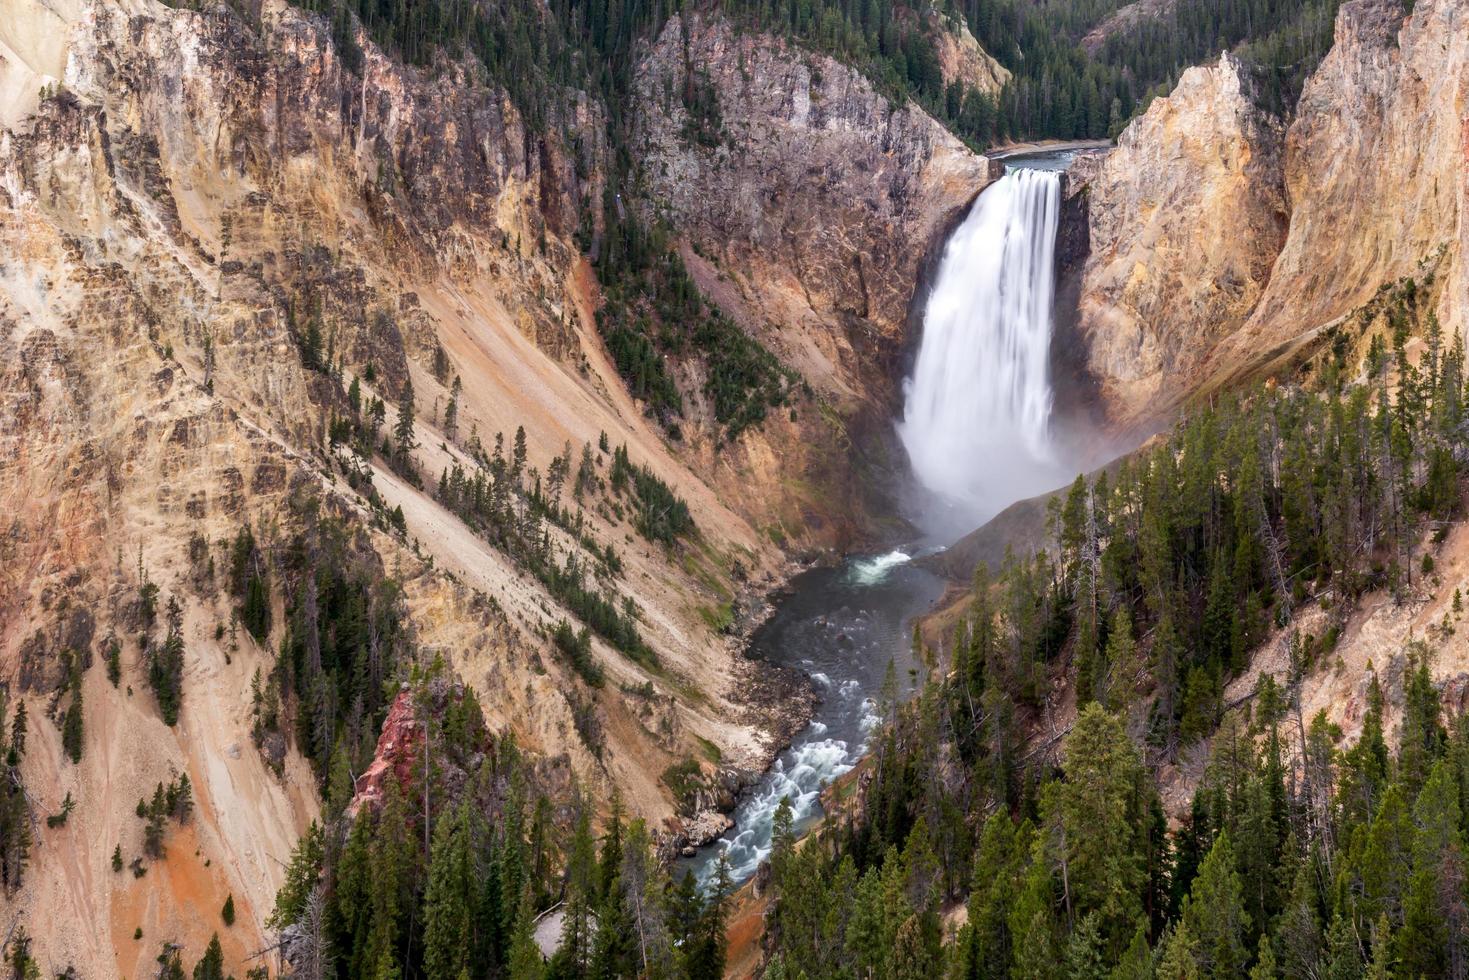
point(962, 59)
point(1186, 217)
point(1376, 172)
point(817, 202)
point(1221, 247)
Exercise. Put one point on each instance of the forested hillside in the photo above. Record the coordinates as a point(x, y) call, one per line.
point(1301, 854)
point(1065, 88)
point(1080, 69)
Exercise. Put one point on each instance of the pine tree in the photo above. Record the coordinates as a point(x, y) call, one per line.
point(1265, 967)
point(211, 966)
point(170, 966)
point(1120, 662)
point(999, 866)
point(1386, 862)
point(1365, 765)
point(917, 953)
point(451, 412)
point(1215, 914)
point(22, 965)
point(1136, 962)
point(1033, 926)
point(395, 853)
point(182, 804)
point(1435, 921)
point(153, 829)
point(782, 837)
point(404, 441)
point(867, 930)
point(17, 748)
point(112, 654)
point(255, 610)
point(447, 901)
point(1179, 955)
point(1094, 830)
point(302, 874)
point(1423, 737)
point(1084, 959)
point(1299, 939)
point(1382, 965)
point(71, 725)
point(352, 893)
point(166, 666)
point(525, 961)
point(1342, 957)
point(227, 913)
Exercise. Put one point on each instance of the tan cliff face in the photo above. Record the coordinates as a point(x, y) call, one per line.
point(961, 57)
point(817, 202)
point(1376, 172)
point(1185, 217)
point(1221, 246)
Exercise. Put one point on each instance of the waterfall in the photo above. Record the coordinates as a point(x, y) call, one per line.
point(977, 409)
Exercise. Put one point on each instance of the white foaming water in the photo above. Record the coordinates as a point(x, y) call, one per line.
point(977, 410)
point(811, 766)
point(871, 571)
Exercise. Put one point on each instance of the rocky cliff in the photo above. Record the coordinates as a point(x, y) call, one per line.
point(814, 205)
point(961, 57)
point(1376, 164)
point(806, 214)
point(1223, 243)
point(187, 199)
point(1186, 217)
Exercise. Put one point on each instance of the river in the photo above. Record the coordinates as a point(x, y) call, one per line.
point(843, 626)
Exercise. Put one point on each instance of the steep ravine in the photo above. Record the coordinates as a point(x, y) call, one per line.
point(181, 193)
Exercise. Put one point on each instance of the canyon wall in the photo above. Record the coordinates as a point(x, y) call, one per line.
point(1221, 244)
point(1376, 169)
point(181, 192)
point(1185, 217)
point(806, 214)
point(810, 212)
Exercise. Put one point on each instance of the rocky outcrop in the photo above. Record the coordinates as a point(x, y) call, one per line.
point(1376, 172)
point(962, 59)
point(1186, 217)
point(399, 748)
point(816, 202)
point(1124, 19)
point(1222, 247)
